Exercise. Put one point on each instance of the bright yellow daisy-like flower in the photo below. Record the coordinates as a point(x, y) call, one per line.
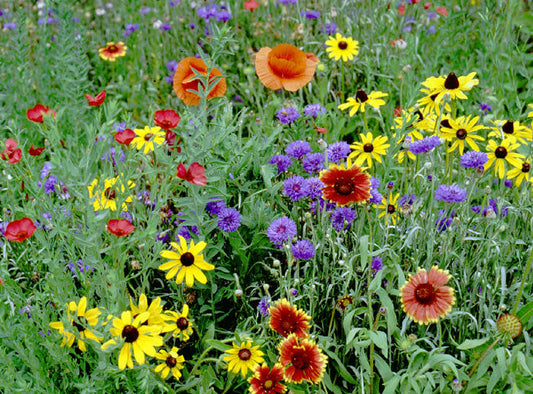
point(147, 137)
point(155, 310)
point(405, 141)
point(499, 153)
point(179, 324)
point(243, 357)
point(173, 362)
point(462, 130)
point(136, 337)
point(455, 86)
point(369, 148)
point(186, 264)
point(342, 47)
point(514, 129)
point(428, 102)
point(113, 51)
point(389, 208)
point(107, 196)
point(414, 118)
point(361, 99)
point(80, 320)
point(521, 173)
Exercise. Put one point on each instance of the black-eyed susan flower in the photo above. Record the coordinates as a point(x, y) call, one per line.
point(266, 380)
point(135, 337)
point(113, 51)
point(113, 191)
point(521, 173)
point(287, 319)
point(302, 359)
point(342, 47)
point(187, 264)
point(502, 152)
point(147, 137)
point(428, 102)
point(370, 148)
point(172, 363)
point(179, 323)
point(155, 310)
point(345, 183)
point(414, 119)
point(452, 84)
point(243, 357)
point(80, 320)
point(389, 207)
point(357, 103)
point(462, 131)
point(425, 298)
point(508, 128)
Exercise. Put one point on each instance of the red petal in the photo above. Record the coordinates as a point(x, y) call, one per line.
point(125, 137)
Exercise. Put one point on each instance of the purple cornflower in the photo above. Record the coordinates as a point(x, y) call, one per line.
point(9, 26)
point(342, 216)
point(493, 205)
point(313, 162)
point(184, 232)
point(508, 183)
point(295, 188)
point(288, 115)
point(45, 170)
point(172, 66)
point(229, 220)
point(165, 26)
point(431, 30)
point(443, 222)
point(293, 292)
point(310, 14)
point(130, 28)
point(314, 110)
point(120, 127)
point(112, 154)
point(282, 162)
point(264, 306)
point(377, 265)
point(303, 249)
point(174, 3)
point(329, 28)
point(215, 206)
point(288, 1)
point(314, 188)
point(376, 196)
point(298, 149)
point(144, 10)
point(79, 267)
point(485, 108)
point(450, 193)
point(281, 230)
point(474, 159)
point(432, 15)
point(163, 237)
point(126, 215)
point(223, 16)
point(408, 199)
point(338, 151)
point(424, 145)
point(374, 182)
point(50, 184)
point(320, 203)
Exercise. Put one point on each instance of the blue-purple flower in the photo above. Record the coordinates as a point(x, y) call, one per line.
point(338, 151)
point(283, 162)
point(281, 230)
point(450, 193)
point(298, 149)
point(314, 110)
point(424, 145)
point(288, 115)
point(474, 159)
point(229, 220)
point(313, 163)
point(295, 188)
point(342, 218)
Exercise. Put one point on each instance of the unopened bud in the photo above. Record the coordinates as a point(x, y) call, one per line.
point(238, 294)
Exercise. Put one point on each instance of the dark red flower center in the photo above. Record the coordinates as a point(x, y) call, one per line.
point(182, 323)
point(419, 114)
point(110, 194)
point(446, 123)
point(288, 326)
point(451, 82)
point(343, 45)
point(368, 148)
point(500, 152)
point(391, 208)
point(148, 136)
point(22, 234)
point(361, 96)
point(245, 354)
point(525, 167)
point(187, 259)
point(344, 187)
point(433, 96)
point(425, 293)
point(508, 127)
point(171, 361)
point(130, 333)
point(300, 361)
point(461, 134)
point(79, 324)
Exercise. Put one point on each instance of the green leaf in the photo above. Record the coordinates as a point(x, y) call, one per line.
point(472, 343)
point(380, 340)
point(525, 314)
point(363, 250)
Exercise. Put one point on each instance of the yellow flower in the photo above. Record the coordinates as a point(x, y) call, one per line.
point(187, 263)
point(507, 128)
point(361, 98)
point(147, 137)
point(500, 153)
point(428, 102)
point(530, 114)
point(173, 362)
point(389, 208)
point(369, 148)
point(155, 310)
point(462, 130)
point(81, 320)
point(113, 51)
point(139, 338)
point(455, 86)
point(342, 47)
point(243, 357)
point(107, 198)
point(179, 325)
point(521, 173)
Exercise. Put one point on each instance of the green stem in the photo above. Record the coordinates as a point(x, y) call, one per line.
point(482, 356)
point(526, 272)
point(200, 360)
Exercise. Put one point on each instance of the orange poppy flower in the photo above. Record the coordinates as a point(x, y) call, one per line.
point(186, 80)
point(284, 66)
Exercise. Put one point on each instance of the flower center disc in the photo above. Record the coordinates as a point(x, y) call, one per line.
point(425, 293)
point(130, 333)
point(300, 361)
point(345, 187)
point(288, 326)
point(110, 194)
point(419, 114)
point(451, 82)
point(187, 259)
point(446, 123)
point(508, 127)
point(500, 152)
point(368, 148)
point(182, 323)
point(148, 136)
point(343, 45)
point(268, 384)
point(245, 354)
point(361, 96)
point(79, 324)
point(391, 208)
point(525, 167)
point(171, 362)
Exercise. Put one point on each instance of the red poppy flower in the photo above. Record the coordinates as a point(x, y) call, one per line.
point(96, 101)
point(345, 185)
point(125, 137)
point(287, 319)
point(195, 174)
point(251, 5)
point(302, 359)
point(170, 140)
point(36, 113)
point(35, 151)
point(401, 10)
point(266, 380)
point(19, 230)
point(166, 119)
point(11, 153)
point(427, 6)
point(120, 227)
point(442, 10)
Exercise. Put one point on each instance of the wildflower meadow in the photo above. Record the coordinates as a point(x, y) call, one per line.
point(266, 196)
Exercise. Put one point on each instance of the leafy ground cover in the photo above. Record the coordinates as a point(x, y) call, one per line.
point(266, 196)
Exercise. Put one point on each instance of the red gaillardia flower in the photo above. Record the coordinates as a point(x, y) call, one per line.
point(120, 227)
point(35, 151)
point(96, 101)
point(251, 5)
point(266, 380)
point(186, 81)
point(19, 230)
point(11, 153)
point(287, 319)
point(112, 51)
point(302, 359)
point(424, 296)
point(36, 113)
point(195, 174)
point(125, 137)
point(284, 66)
point(345, 184)
point(166, 119)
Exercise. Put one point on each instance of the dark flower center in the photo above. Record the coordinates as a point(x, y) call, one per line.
point(245, 354)
point(22, 234)
point(451, 82)
point(425, 294)
point(461, 134)
point(344, 187)
point(79, 324)
point(110, 194)
point(187, 259)
point(171, 362)
point(525, 167)
point(182, 323)
point(500, 152)
point(343, 45)
point(299, 361)
point(391, 208)
point(112, 48)
point(368, 148)
point(419, 114)
point(288, 326)
point(508, 127)
point(148, 136)
point(361, 96)
point(130, 333)
point(433, 96)
point(446, 123)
